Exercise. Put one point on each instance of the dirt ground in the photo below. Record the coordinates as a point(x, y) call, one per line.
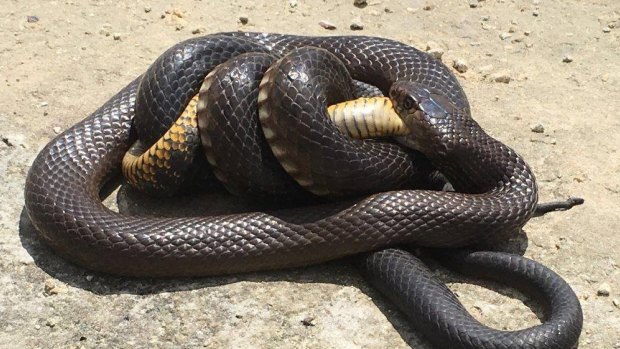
point(553, 63)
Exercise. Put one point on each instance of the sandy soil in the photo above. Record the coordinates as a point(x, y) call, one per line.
point(562, 62)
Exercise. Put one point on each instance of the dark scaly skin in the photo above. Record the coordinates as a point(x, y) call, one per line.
point(231, 135)
point(310, 147)
point(406, 280)
point(63, 184)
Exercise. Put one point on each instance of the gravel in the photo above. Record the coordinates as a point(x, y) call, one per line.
point(434, 49)
point(357, 24)
point(460, 65)
point(327, 25)
point(604, 289)
point(537, 128)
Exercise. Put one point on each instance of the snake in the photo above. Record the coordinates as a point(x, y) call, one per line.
point(495, 191)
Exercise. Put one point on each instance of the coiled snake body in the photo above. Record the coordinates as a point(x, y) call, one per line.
point(62, 188)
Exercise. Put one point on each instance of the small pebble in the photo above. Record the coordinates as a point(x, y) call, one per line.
point(243, 19)
point(460, 65)
point(567, 58)
point(412, 10)
point(57, 129)
point(360, 3)
point(32, 19)
point(51, 322)
point(504, 36)
point(428, 7)
point(374, 13)
point(357, 24)
point(538, 128)
point(603, 290)
point(434, 49)
point(616, 302)
point(485, 18)
point(308, 321)
point(502, 77)
point(473, 3)
point(197, 30)
point(147, 9)
point(535, 13)
point(327, 25)
point(51, 289)
point(116, 36)
point(606, 30)
point(527, 33)
point(176, 13)
point(89, 278)
point(292, 3)
point(388, 10)
point(43, 104)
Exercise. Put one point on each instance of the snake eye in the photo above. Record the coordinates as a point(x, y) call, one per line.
point(409, 103)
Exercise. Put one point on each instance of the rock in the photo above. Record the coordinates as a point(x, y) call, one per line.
point(434, 49)
point(357, 24)
point(603, 290)
point(292, 4)
point(56, 129)
point(52, 289)
point(606, 29)
point(198, 30)
point(535, 13)
point(147, 9)
point(360, 3)
point(527, 33)
point(616, 302)
point(428, 7)
point(502, 77)
point(460, 65)
point(53, 321)
point(32, 19)
point(175, 12)
point(412, 10)
point(504, 36)
point(244, 19)
point(473, 3)
point(116, 36)
point(308, 321)
point(538, 128)
point(567, 58)
point(327, 25)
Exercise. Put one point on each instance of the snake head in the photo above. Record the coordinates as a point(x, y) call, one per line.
point(432, 118)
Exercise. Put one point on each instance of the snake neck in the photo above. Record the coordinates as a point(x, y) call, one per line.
point(477, 163)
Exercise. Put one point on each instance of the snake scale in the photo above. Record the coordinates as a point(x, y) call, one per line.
point(496, 192)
